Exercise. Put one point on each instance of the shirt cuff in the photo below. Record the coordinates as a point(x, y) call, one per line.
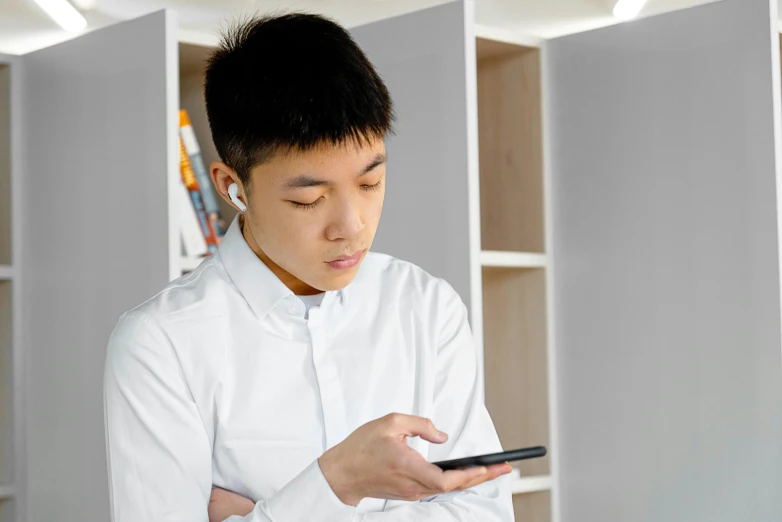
point(309, 497)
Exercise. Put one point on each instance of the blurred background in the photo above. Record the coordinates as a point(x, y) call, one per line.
point(597, 179)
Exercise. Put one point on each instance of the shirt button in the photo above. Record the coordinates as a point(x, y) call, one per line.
point(292, 309)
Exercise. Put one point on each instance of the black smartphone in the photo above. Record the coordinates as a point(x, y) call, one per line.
point(492, 458)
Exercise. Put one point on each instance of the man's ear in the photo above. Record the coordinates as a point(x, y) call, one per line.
point(222, 178)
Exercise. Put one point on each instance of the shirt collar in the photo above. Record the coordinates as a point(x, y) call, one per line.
point(259, 286)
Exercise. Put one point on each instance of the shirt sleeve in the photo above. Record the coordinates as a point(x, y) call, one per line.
point(158, 451)
point(458, 411)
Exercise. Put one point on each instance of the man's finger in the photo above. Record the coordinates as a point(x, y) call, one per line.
point(439, 481)
point(413, 426)
point(492, 473)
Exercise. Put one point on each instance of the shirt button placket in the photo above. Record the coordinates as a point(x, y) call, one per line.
point(328, 381)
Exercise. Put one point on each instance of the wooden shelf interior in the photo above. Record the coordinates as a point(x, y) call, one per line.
point(6, 385)
point(5, 164)
point(192, 63)
point(533, 507)
point(510, 147)
point(515, 360)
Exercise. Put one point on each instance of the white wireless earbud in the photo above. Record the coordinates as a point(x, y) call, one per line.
point(233, 190)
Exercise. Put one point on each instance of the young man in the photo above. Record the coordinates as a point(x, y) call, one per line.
point(294, 376)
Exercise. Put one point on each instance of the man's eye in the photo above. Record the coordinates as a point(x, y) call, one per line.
point(306, 206)
point(371, 188)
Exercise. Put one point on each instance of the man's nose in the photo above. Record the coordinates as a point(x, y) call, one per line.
point(347, 221)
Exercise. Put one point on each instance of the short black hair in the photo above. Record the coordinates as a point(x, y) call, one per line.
point(291, 81)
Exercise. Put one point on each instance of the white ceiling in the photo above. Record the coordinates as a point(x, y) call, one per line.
point(24, 27)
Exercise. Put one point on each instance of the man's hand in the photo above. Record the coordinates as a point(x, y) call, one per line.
point(224, 504)
point(375, 461)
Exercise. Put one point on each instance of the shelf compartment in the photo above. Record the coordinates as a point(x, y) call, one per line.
point(533, 507)
point(7, 513)
point(510, 135)
point(6, 384)
point(192, 66)
point(515, 356)
point(5, 164)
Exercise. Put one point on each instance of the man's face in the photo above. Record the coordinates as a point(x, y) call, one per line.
point(312, 216)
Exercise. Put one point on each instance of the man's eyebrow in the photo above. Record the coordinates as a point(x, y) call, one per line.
point(306, 180)
point(378, 160)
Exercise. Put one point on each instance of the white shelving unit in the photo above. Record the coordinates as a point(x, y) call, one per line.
point(189, 264)
point(496, 259)
point(498, 34)
point(11, 386)
point(531, 484)
point(515, 261)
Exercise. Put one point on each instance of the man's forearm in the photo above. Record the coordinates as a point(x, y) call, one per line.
point(456, 507)
point(224, 504)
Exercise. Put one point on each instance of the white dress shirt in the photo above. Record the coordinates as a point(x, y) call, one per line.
point(221, 380)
